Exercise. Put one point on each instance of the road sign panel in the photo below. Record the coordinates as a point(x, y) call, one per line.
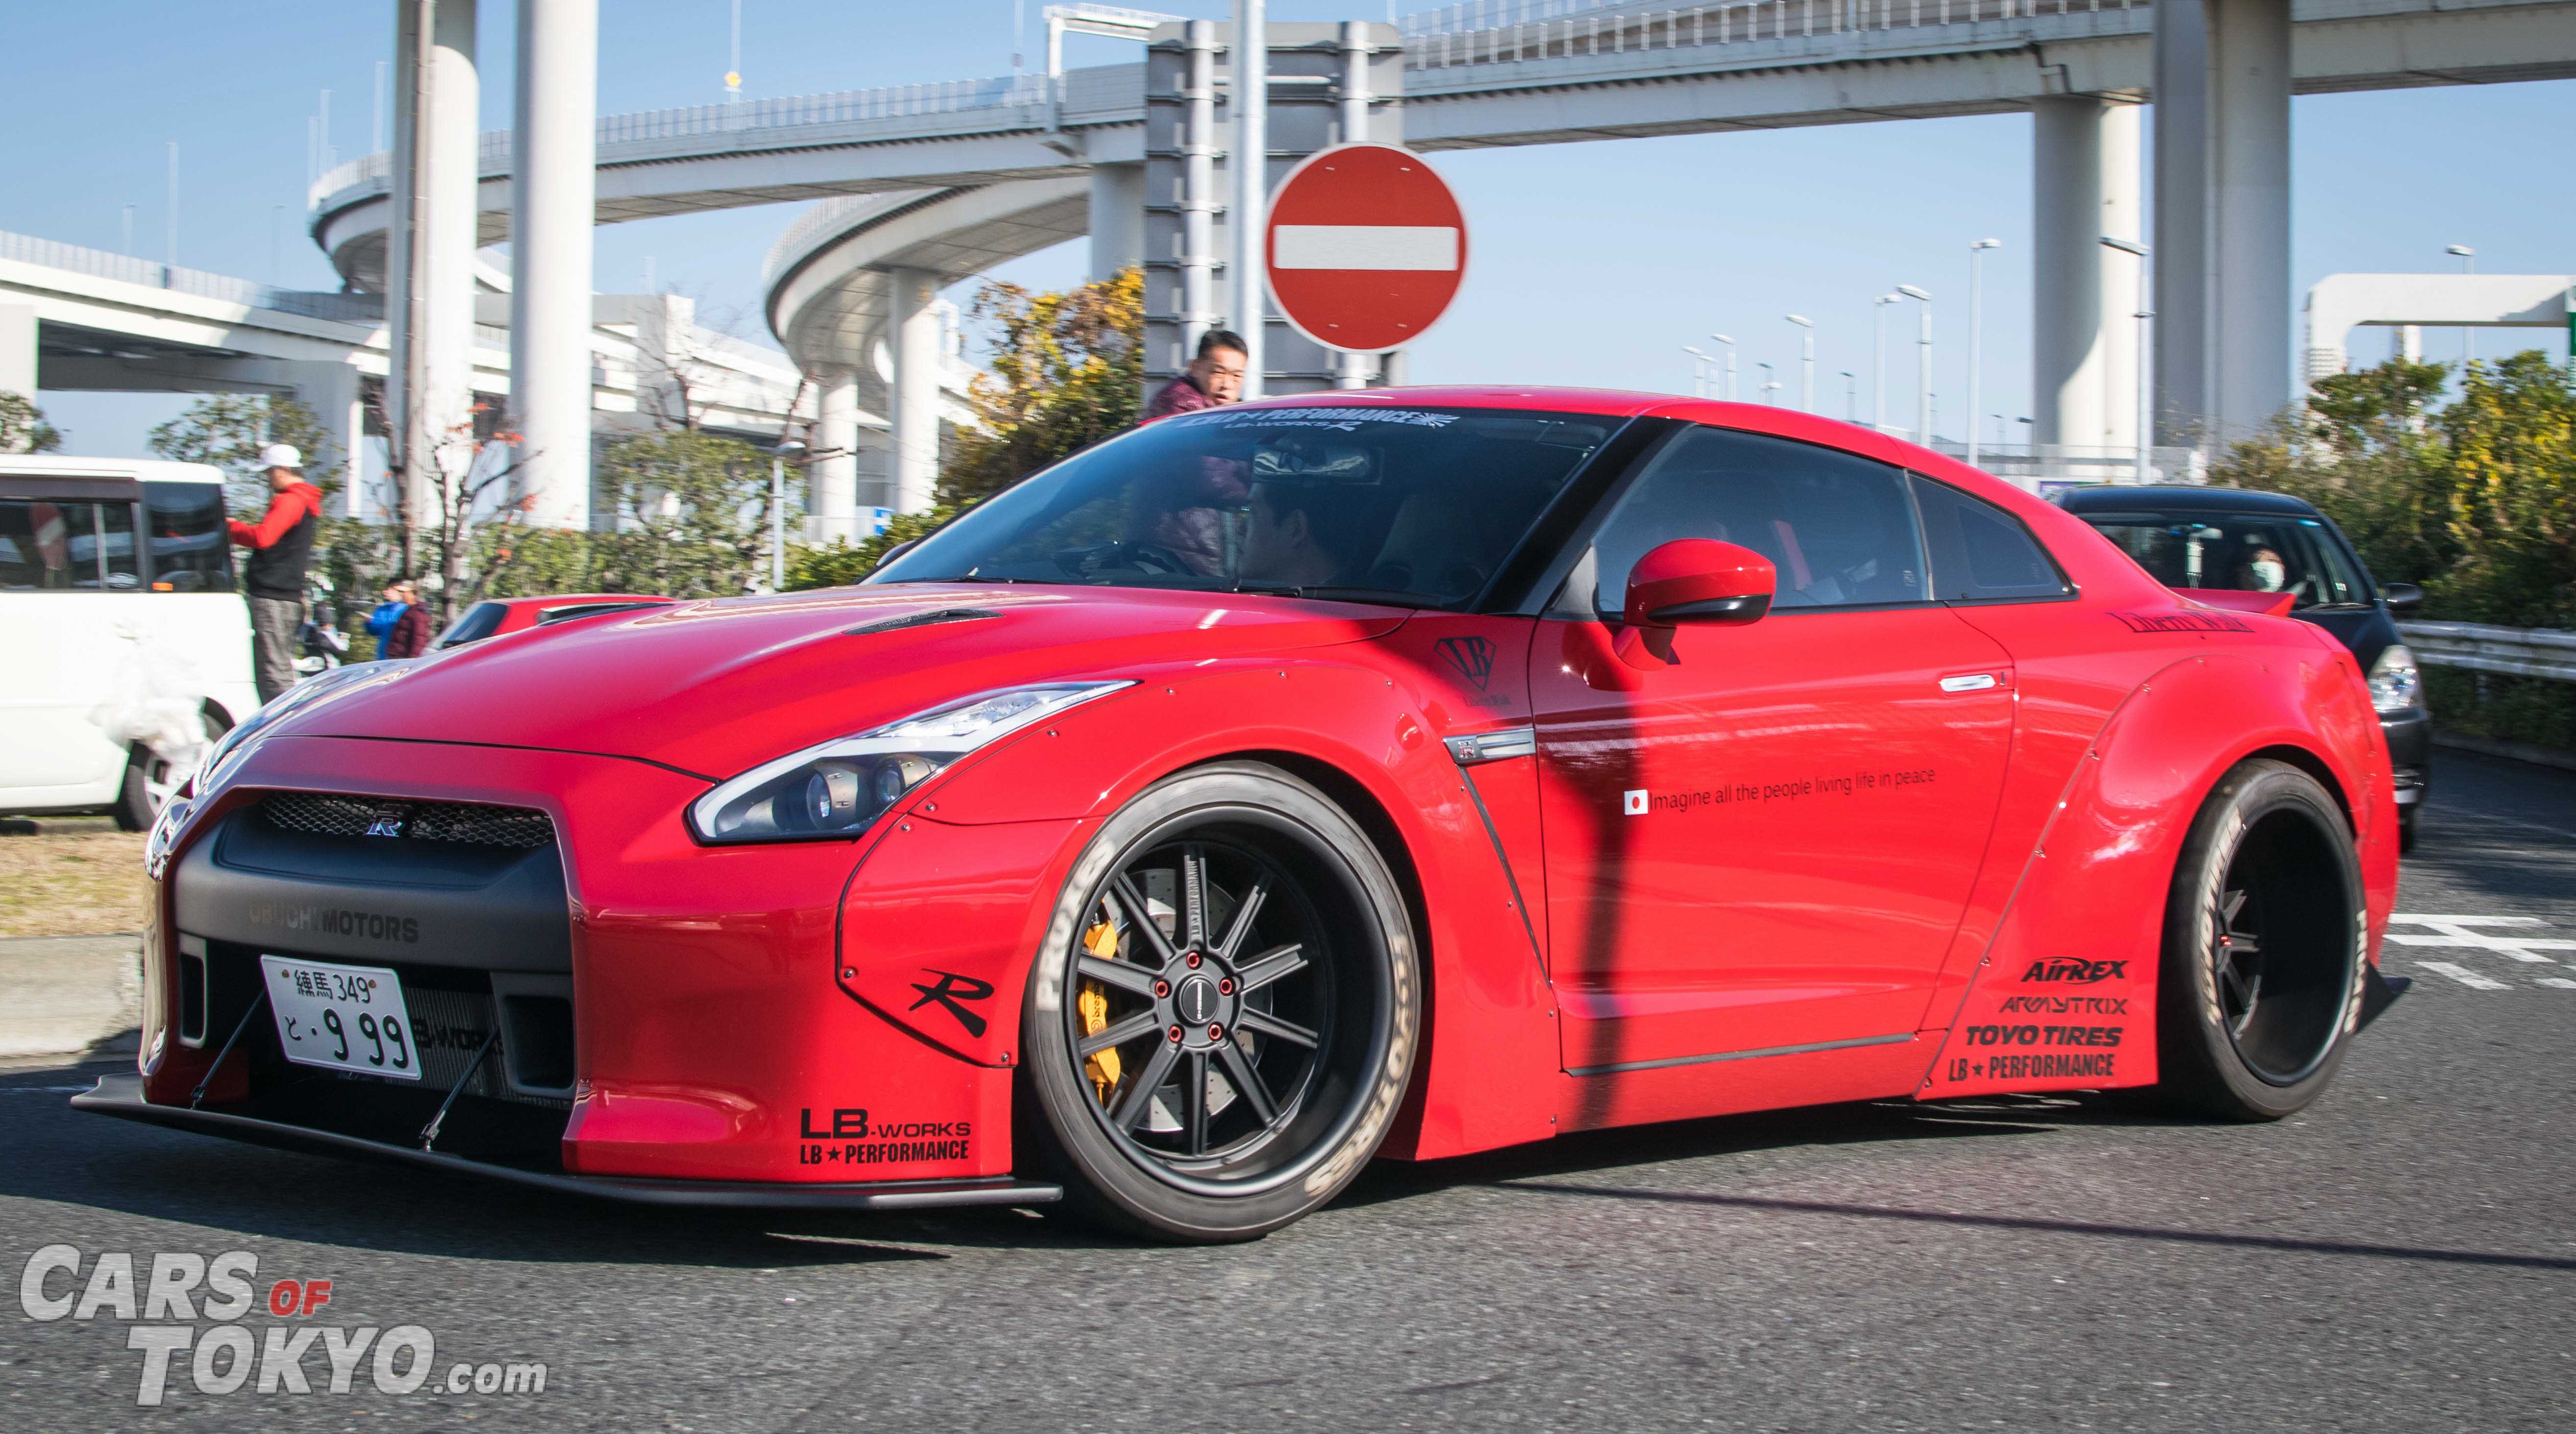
point(1366, 247)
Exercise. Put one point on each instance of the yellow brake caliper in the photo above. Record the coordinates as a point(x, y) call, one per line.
point(1092, 1000)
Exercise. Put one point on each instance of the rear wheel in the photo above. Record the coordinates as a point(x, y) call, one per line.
point(2261, 981)
point(1224, 1017)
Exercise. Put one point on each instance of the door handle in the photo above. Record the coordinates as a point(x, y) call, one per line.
point(1971, 682)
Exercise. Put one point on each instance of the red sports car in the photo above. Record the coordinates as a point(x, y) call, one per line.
point(1397, 773)
point(495, 616)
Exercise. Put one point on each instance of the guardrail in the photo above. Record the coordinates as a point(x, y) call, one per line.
point(2518, 651)
point(1496, 31)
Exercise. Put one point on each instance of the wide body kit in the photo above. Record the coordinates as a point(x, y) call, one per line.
point(1832, 855)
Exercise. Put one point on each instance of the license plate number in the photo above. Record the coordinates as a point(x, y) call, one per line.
point(347, 1018)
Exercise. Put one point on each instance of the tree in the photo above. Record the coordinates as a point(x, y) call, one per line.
point(23, 428)
point(1065, 373)
point(838, 564)
point(693, 513)
point(229, 429)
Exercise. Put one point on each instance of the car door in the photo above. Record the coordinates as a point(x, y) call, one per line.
point(1767, 843)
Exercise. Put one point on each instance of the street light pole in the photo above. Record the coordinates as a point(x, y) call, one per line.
point(1730, 364)
point(1923, 365)
point(2146, 380)
point(1699, 371)
point(1878, 359)
point(1976, 335)
point(787, 448)
point(2468, 258)
point(1806, 361)
point(1851, 397)
point(1768, 383)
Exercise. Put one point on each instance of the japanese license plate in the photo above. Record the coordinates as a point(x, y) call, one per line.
point(348, 1018)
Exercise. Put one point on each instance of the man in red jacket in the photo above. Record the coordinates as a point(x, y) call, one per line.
point(281, 545)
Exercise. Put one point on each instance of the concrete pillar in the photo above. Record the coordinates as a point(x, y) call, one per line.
point(1117, 219)
point(552, 173)
point(1249, 98)
point(430, 262)
point(18, 350)
point(2084, 155)
point(1198, 189)
point(333, 391)
point(917, 361)
point(2222, 260)
point(2410, 343)
point(832, 484)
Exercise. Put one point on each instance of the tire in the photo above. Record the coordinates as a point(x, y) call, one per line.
point(149, 781)
point(2261, 982)
point(1263, 1057)
point(2406, 830)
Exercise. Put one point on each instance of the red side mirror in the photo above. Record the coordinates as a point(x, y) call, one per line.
point(1699, 580)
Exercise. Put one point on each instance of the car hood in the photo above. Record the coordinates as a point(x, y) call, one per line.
point(717, 686)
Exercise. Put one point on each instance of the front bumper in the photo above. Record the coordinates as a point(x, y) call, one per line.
point(122, 1096)
point(2410, 753)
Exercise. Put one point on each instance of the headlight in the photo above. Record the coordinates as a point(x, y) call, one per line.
point(2396, 684)
point(220, 762)
point(839, 788)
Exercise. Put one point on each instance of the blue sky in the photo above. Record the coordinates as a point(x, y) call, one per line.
point(1592, 263)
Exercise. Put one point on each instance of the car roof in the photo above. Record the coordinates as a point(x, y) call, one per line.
point(2179, 497)
point(137, 470)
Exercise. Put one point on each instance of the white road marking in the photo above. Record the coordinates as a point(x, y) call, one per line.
point(1363, 246)
point(2463, 975)
point(2561, 982)
point(2455, 931)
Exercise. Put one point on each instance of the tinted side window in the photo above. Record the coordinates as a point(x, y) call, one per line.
point(185, 522)
point(1980, 553)
point(1837, 527)
point(36, 542)
point(119, 571)
point(476, 625)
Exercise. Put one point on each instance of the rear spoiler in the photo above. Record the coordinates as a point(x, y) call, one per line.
point(2267, 604)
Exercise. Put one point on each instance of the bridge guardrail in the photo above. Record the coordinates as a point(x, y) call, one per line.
point(2477, 647)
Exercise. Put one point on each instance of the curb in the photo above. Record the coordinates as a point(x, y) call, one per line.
point(2510, 751)
point(70, 995)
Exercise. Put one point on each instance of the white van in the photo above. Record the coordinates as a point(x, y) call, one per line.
point(119, 616)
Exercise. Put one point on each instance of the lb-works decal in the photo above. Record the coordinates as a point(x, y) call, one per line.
point(844, 1135)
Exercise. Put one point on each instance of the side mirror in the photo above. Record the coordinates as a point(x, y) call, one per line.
point(1699, 580)
point(890, 554)
point(2401, 597)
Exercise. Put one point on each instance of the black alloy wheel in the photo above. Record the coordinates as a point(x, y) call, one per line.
point(2263, 963)
point(1223, 1021)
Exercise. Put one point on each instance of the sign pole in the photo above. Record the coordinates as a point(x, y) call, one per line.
point(1250, 96)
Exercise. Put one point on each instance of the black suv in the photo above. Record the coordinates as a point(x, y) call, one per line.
point(2238, 539)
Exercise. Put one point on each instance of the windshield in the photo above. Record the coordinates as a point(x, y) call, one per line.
point(2243, 552)
point(1412, 506)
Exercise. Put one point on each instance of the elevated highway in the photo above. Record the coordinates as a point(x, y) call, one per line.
point(939, 181)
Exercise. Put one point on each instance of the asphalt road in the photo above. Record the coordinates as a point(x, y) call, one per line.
point(2402, 1256)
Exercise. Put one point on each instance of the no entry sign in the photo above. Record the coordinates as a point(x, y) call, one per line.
point(1366, 247)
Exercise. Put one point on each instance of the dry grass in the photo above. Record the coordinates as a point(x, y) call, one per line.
point(70, 878)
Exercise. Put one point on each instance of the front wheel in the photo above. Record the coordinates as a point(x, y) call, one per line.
point(151, 779)
point(1223, 1019)
point(2264, 947)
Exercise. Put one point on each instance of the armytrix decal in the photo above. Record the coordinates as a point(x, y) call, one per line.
point(953, 988)
point(2074, 971)
point(2065, 1005)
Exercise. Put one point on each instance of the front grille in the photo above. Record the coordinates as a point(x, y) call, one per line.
point(516, 827)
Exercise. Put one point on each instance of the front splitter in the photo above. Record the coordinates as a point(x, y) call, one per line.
point(122, 1096)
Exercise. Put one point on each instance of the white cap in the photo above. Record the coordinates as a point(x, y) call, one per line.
point(280, 455)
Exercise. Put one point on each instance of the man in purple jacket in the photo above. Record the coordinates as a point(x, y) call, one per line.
point(1190, 516)
point(1214, 377)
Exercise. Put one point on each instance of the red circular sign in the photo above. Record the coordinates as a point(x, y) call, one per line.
point(1365, 247)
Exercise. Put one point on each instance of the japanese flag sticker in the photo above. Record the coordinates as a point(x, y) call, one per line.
point(1636, 803)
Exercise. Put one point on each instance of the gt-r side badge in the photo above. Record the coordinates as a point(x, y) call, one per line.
point(953, 988)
